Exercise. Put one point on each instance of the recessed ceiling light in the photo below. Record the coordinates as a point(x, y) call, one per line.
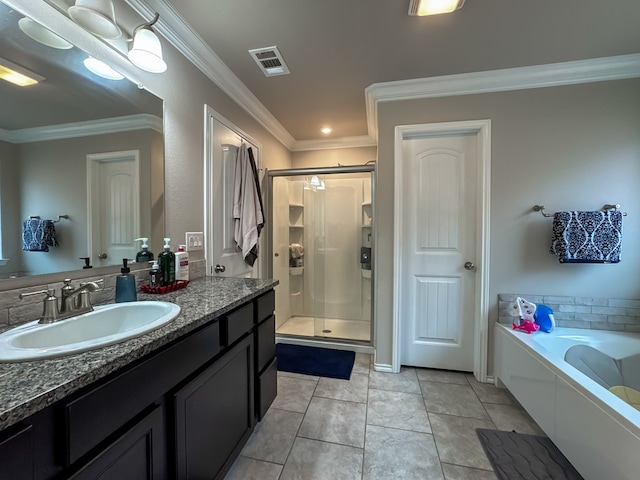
point(326, 130)
point(433, 7)
point(18, 75)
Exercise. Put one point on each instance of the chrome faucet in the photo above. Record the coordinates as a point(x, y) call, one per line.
point(73, 301)
point(78, 300)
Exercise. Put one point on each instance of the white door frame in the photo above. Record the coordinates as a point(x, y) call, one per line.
point(209, 116)
point(482, 128)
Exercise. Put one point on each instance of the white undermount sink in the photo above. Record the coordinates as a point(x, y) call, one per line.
point(106, 325)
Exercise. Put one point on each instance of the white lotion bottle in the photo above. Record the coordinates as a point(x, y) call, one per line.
point(182, 263)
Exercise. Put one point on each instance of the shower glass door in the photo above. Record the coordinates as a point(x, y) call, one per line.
point(329, 223)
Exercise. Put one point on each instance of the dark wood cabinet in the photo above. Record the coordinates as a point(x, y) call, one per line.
point(136, 454)
point(266, 367)
point(214, 415)
point(16, 453)
point(183, 411)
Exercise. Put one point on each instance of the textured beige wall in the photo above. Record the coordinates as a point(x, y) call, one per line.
point(333, 157)
point(568, 148)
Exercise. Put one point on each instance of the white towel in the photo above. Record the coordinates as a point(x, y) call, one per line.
point(247, 213)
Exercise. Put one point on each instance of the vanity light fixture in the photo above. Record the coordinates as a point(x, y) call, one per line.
point(101, 69)
point(97, 17)
point(315, 181)
point(18, 75)
point(146, 50)
point(42, 35)
point(433, 7)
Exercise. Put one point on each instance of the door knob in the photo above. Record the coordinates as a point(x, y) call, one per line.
point(276, 254)
point(219, 268)
point(102, 256)
point(469, 265)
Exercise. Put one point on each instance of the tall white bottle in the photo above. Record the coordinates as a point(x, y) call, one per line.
point(182, 263)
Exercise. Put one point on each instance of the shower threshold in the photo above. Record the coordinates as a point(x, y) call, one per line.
point(332, 328)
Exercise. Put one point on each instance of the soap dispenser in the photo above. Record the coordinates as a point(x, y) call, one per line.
point(155, 275)
point(125, 285)
point(144, 255)
point(167, 261)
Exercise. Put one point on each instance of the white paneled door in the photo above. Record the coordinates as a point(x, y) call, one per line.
point(114, 205)
point(438, 247)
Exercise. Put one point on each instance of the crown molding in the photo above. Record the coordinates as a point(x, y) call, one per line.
point(520, 78)
point(340, 142)
point(83, 129)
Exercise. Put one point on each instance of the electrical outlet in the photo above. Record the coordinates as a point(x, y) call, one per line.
point(194, 241)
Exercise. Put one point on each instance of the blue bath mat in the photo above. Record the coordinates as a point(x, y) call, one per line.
point(518, 456)
point(321, 362)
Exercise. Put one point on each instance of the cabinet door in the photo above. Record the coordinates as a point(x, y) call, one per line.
point(16, 453)
point(214, 415)
point(137, 454)
point(265, 343)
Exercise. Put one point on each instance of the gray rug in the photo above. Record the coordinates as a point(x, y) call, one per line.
point(517, 456)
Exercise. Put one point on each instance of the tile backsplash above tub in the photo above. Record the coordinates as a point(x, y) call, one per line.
point(580, 312)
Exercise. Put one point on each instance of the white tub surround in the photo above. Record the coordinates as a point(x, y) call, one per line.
point(597, 431)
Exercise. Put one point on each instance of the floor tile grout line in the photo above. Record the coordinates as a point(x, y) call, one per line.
point(298, 430)
point(366, 427)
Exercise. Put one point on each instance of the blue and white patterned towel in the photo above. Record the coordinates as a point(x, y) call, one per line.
point(587, 237)
point(38, 235)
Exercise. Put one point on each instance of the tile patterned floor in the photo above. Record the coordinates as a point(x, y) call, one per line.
point(419, 424)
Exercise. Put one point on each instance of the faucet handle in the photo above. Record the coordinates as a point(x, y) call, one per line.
point(50, 310)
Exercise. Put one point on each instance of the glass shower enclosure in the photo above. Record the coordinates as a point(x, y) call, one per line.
point(321, 239)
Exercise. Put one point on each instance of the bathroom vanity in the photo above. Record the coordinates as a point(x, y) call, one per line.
point(178, 402)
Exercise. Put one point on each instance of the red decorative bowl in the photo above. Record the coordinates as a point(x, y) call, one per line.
point(177, 285)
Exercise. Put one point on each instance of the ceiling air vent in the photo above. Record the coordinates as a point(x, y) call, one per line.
point(270, 61)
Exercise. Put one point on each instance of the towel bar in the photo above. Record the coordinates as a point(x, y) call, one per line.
point(608, 206)
point(60, 217)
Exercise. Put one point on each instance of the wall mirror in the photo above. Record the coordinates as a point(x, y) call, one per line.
point(79, 146)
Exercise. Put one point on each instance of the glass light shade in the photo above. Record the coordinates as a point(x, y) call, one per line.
point(315, 181)
point(42, 35)
point(101, 69)
point(146, 51)
point(434, 7)
point(97, 17)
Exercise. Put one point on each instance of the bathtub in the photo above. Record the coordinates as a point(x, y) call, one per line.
point(597, 431)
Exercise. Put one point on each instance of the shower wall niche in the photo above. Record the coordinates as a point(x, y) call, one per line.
point(322, 243)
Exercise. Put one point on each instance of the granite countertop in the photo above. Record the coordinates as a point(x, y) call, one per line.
point(28, 387)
